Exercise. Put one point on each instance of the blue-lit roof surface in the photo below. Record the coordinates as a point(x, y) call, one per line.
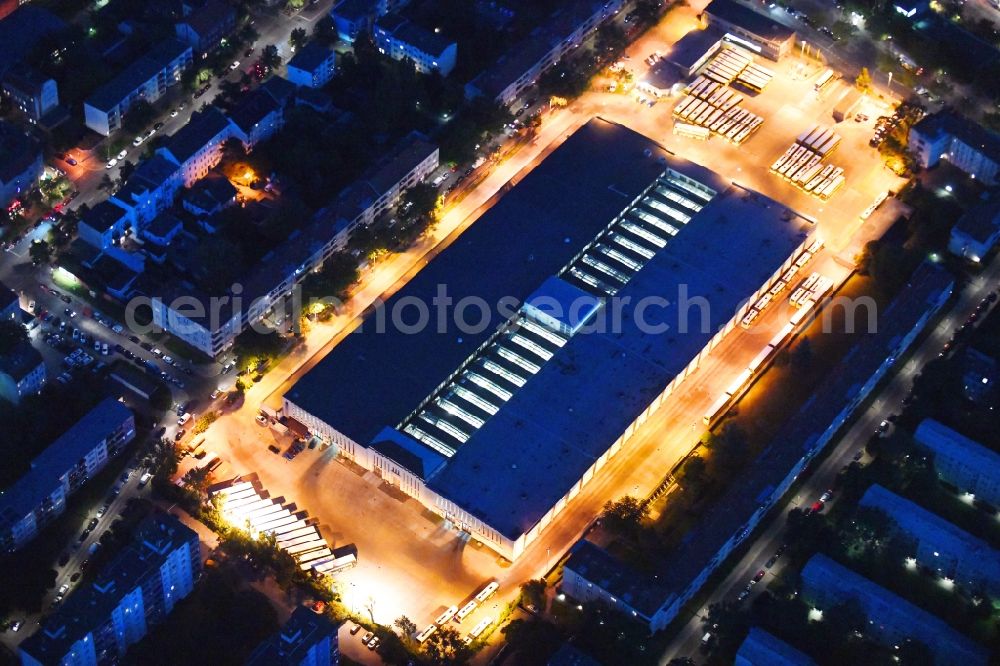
point(527, 456)
point(762, 649)
point(951, 541)
point(47, 468)
point(372, 379)
point(831, 582)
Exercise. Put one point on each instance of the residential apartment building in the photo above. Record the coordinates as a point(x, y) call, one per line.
point(10, 304)
point(104, 224)
point(20, 163)
point(891, 619)
point(313, 66)
point(592, 574)
point(31, 92)
point(950, 552)
point(353, 18)
point(761, 648)
point(413, 160)
point(22, 373)
point(59, 471)
point(257, 117)
point(968, 145)
point(307, 639)
point(749, 28)
point(197, 147)
point(205, 28)
point(145, 79)
point(214, 326)
point(401, 39)
point(136, 591)
point(521, 66)
point(961, 462)
point(976, 233)
point(150, 189)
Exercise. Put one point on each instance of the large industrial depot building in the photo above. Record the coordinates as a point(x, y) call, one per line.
point(626, 266)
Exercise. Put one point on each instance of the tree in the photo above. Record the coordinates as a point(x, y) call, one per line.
point(802, 355)
point(138, 117)
point(325, 31)
point(125, 169)
point(728, 447)
point(405, 625)
point(201, 425)
point(693, 473)
point(446, 647)
point(233, 150)
point(625, 515)
point(106, 182)
point(298, 38)
point(419, 204)
point(269, 56)
point(532, 636)
point(11, 335)
point(220, 263)
point(533, 594)
point(40, 252)
point(864, 80)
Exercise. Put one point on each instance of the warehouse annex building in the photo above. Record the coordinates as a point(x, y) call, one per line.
point(497, 430)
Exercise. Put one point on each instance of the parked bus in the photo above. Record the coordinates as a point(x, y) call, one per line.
point(466, 611)
point(824, 79)
point(717, 409)
point(447, 615)
point(426, 633)
point(478, 630)
point(691, 131)
point(487, 592)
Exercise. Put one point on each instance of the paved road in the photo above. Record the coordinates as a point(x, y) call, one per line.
point(886, 401)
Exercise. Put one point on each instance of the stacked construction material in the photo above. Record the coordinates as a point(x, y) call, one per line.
point(801, 163)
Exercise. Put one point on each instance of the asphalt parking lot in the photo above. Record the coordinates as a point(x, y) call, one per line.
point(788, 105)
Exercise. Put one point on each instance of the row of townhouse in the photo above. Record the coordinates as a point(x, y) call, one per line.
point(211, 323)
point(61, 469)
point(523, 63)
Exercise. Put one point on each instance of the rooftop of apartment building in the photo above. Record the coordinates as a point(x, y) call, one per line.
point(942, 440)
point(760, 25)
point(972, 134)
point(153, 541)
point(982, 220)
point(310, 57)
point(108, 96)
point(66, 451)
point(203, 126)
point(424, 40)
point(20, 361)
point(18, 150)
point(303, 630)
